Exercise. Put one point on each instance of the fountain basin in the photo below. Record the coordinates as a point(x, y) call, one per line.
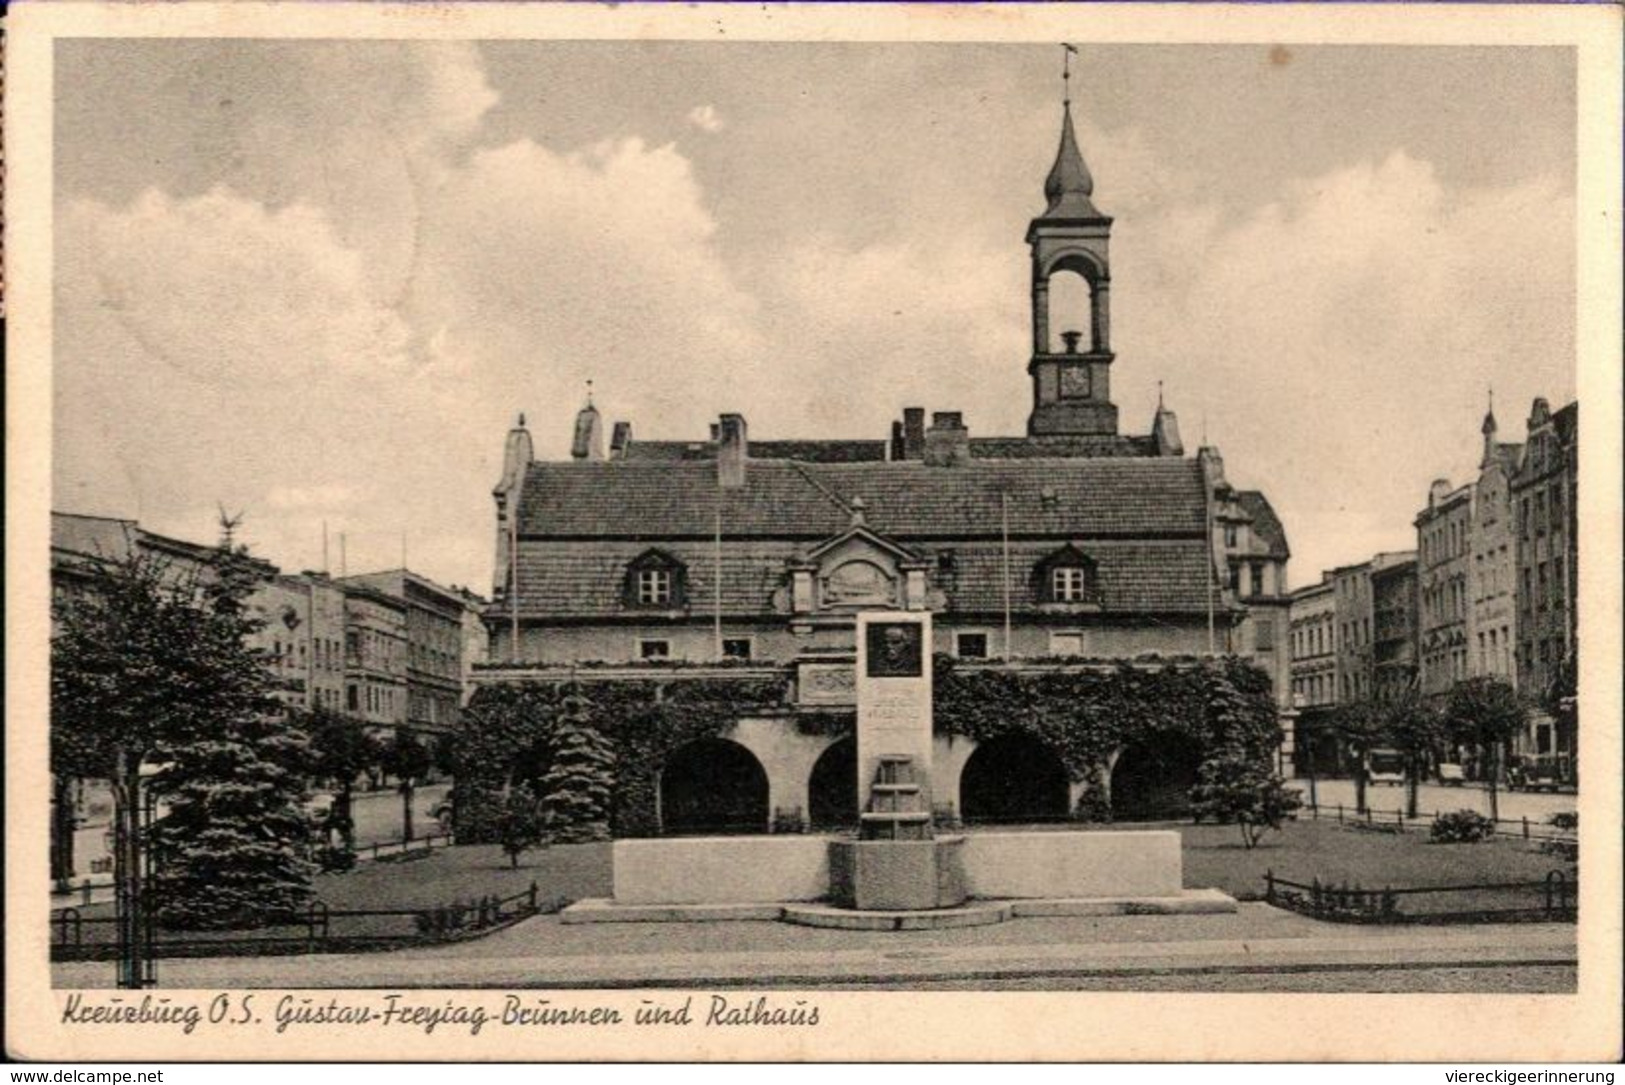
point(898, 875)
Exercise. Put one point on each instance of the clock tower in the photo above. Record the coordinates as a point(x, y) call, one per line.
point(1071, 367)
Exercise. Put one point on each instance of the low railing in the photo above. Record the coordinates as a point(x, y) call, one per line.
point(1521, 828)
point(1552, 899)
point(319, 929)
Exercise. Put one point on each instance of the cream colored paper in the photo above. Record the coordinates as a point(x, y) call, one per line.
point(891, 1026)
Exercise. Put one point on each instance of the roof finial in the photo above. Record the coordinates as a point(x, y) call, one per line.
point(858, 506)
point(589, 391)
point(1066, 72)
point(521, 420)
point(1069, 183)
point(1159, 395)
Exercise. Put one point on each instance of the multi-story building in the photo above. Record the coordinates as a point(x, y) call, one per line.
point(1313, 648)
point(374, 657)
point(1073, 540)
point(476, 638)
point(434, 644)
point(1393, 615)
point(1444, 575)
point(1543, 496)
point(1314, 645)
point(1493, 616)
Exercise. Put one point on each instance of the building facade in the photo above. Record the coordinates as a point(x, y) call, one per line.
point(374, 657)
point(1314, 645)
point(1394, 628)
point(433, 644)
point(1494, 617)
point(1544, 493)
point(1444, 565)
point(1073, 541)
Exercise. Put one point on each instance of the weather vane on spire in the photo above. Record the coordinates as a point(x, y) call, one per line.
point(1067, 53)
point(589, 391)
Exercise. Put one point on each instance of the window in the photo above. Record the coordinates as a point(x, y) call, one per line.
point(736, 648)
point(1066, 576)
point(970, 645)
point(654, 587)
point(654, 649)
point(1230, 535)
point(1264, 635)
point(1067, 585)
point(1066, 644)
point(1258, 578)
point(654, 579)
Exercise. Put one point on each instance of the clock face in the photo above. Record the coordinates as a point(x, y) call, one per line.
point(1074, 382)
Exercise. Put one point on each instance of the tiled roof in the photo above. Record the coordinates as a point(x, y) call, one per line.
point(1142, 520)
point(586, 579)
point(1266, 525)
point(1026, 448)
point(806, 451)
point(1060, 498)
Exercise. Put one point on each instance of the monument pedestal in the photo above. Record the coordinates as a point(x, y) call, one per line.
point(898, 875)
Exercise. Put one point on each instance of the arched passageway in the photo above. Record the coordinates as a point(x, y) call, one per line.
point(713, 786)
point(1152, 779)
point(832, 789)
point(1013, 779)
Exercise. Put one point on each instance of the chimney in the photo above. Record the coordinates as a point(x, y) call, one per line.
point(589, 436)
point(1212, 466)
point(620, 439)
point(517, 454)
point(947, 442)
point(913, 433)
point(732, 450)
point(1165, 431)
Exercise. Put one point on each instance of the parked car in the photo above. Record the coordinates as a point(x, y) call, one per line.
point(1450, 774)
point(441, 812)
point(1538, 773)
point(1385, 767)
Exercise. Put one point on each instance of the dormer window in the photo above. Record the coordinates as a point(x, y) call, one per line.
point(1068, 584)
point(654, 580)
point(1067, 577)
point(654, 587)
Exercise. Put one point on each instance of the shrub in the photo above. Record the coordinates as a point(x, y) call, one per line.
point(1462, 827)
point(1234, 787)
point(1568, 821)
point(334, 858)
point(445, 919)
point(521, 825)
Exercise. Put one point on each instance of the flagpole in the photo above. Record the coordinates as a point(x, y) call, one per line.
point(1004, 521)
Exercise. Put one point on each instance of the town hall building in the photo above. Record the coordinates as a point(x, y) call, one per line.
point(730, 554)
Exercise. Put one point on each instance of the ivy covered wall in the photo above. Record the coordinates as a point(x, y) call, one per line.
point(1086, 712)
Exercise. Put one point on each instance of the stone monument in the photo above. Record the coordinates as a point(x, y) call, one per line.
point(897, 862)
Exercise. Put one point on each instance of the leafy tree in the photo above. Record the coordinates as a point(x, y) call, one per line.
point(1234, 786)
point(1486, 711)
point(576, 789)
point(152, 665)
point(521, 824)
point(407, 759)
point(340, 750)
point(1416, 729)
point(1359, 727)
point(445, 755)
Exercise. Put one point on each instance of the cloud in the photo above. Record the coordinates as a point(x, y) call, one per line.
point(706, 118)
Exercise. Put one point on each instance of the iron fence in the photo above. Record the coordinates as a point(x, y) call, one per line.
point(318, 929)
point(1554, 898)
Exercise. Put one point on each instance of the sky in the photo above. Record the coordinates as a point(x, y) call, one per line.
point(315, 282)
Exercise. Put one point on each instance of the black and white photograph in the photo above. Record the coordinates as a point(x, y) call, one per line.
point(694, 529)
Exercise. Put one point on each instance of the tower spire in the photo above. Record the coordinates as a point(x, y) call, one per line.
point(1069, 184)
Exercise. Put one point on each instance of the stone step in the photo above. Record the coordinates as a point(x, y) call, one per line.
point(907, 816)
point(900, 789)
point(969, 915)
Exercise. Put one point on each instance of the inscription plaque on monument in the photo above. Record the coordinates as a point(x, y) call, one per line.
point(894, 696)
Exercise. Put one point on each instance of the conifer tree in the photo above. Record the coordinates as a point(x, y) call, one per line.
point(576, 789)
point(233, 847)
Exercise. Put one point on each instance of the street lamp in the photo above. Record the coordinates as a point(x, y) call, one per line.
point(133, 879)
